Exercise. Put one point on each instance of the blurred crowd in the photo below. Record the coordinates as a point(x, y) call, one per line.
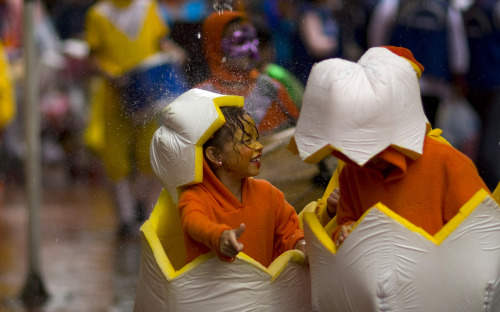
point(88, 51)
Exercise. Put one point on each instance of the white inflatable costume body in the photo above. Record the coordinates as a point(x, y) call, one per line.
point(387, 263)
point(205, 284)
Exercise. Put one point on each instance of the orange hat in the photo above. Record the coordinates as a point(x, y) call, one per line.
point(405, 53)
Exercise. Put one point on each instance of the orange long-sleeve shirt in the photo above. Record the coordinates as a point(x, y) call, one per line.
point(209, 208)
point(427, 191)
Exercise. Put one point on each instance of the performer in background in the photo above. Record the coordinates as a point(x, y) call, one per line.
point(123, 34)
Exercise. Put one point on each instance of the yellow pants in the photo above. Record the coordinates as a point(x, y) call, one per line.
point(122, 145)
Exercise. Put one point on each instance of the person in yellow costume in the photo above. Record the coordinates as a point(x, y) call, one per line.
point(7, 105)
point(7, 102)
point(121, 35)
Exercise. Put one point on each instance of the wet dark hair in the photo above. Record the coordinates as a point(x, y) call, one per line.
point(235, 119)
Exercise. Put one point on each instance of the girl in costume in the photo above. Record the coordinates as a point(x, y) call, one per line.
point(427, 188)
point(228, 211)
point(378, 128)
point(230, 46)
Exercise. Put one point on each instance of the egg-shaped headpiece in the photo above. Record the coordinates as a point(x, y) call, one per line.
point(177, 146)
point(360, 109)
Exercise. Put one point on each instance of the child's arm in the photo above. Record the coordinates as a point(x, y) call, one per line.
point(346, 216)
point(287, 230)
point(198, 225)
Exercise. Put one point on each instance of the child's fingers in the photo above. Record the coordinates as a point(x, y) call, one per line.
point(235, 245)
point(332, 202)
point(239, 230)
point(231, 250)
point(344, 232)
point(230, 246)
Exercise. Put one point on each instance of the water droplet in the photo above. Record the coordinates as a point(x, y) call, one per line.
point(221, 5)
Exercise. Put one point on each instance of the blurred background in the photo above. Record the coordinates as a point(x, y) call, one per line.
point(64, 236)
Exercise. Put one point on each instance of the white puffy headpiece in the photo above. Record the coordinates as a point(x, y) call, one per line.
point(360, 109)
point(177, 146)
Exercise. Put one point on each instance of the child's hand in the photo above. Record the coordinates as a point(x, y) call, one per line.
point(301, 245)
point(229, 245)
point(331, 203)
point(344, 232)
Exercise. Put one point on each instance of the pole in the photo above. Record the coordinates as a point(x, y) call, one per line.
point(34, 292)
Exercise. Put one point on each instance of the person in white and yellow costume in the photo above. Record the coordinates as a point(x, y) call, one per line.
point(7, 102)
point(7, 105)
point(121, 34)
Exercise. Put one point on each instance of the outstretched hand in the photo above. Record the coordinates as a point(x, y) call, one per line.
point(229, 244)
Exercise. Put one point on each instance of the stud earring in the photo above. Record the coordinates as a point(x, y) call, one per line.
point(219, 163)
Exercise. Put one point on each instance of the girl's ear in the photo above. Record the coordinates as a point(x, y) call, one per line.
point(212, 155)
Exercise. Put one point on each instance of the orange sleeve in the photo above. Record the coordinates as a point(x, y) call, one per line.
point(287, 229)
point(196, 222)
point(346, 211)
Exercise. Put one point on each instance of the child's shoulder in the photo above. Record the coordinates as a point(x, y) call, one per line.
point(192, 191)
point(261, 183)
point(264, 189)
point(438, 150)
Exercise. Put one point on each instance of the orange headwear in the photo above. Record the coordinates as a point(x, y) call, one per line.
point(405, 53)
point(212, 30)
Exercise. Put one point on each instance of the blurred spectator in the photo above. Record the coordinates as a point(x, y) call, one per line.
point(282, 18)
point(233, 54)
point(434, 32)
point(69, 17)
point(7, 100)
point(124, 36)
point(184, 11)
point(266, 65)
point(230, 46)
point(482, 22)
point(355, 17)
point(55, 107)
point(11, 24)
point(318, 36)
point(184, 18)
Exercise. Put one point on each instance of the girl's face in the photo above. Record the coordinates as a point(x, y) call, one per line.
point(241, 157)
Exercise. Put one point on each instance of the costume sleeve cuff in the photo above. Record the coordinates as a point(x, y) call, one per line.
point(216, 243)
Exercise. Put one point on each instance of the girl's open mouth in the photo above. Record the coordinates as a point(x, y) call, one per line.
point(256, 159)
